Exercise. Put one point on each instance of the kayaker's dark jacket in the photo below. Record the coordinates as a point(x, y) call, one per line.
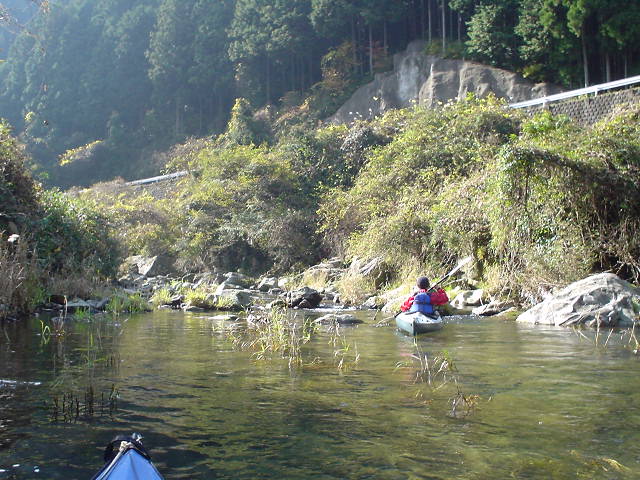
point(423, 301)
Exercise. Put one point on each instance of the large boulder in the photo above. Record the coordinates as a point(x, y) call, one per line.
point(603, 299)
point(235, 299)
point(147, 266)
point(304, 297)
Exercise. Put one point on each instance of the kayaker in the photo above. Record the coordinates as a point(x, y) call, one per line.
point(424, 301)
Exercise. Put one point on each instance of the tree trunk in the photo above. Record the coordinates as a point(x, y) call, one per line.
point(385, 40)
point(354, 43)
point(268, 80)
point(370, 49)
point(444, 28)
point(429, 20)
point(607, 67)
point(585, 59)
point(626, 65)
point(177, 126)
point(422, 18)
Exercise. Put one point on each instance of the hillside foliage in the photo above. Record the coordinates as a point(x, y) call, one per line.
point(538, 202)
point(111, 82)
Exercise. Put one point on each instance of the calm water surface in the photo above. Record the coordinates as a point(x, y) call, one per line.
point(543, 403)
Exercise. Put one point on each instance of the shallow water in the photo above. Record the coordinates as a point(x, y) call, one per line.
point(543, 403)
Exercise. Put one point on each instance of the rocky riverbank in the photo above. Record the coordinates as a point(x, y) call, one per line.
point(147, 282)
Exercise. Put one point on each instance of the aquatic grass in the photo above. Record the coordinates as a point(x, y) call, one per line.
point(82, 314)
point(577, 329)
point(224, 302)
point(70, 407)
point(270, 334)
point(162, 296)
point(127, 303)
point(463, 405)
point(435, 372)
point(201, 296)
point(345, 354)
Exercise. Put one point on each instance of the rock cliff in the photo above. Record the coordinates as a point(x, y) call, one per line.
point(428, 80)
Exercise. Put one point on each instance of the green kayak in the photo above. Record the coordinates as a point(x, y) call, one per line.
point(416, 322)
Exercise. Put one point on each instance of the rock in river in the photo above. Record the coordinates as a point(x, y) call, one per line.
point(603, 298)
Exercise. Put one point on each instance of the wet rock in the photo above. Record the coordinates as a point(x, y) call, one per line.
point(224, 318)
point(603, 299)
point(494, 307)
point(279, 303)
point(77, 304)
point(192, 308)
point(207, 278)
point(333, 318)
point(374, 302)
point(224, 286)
point(176, 301)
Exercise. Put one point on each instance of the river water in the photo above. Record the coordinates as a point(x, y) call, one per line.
point(512, 401)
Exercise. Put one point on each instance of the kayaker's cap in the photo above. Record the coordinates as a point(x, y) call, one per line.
point(423, 283)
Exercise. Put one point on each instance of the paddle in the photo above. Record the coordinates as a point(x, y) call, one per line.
point(460, 264)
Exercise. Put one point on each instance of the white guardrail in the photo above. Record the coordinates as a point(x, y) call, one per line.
point(160, 178)
point(576, 93)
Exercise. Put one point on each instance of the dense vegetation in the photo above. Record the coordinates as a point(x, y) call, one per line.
point(48, 242)
point(110, 82)
point(538, 201)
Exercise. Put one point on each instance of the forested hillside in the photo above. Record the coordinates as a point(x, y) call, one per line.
point(110, 82)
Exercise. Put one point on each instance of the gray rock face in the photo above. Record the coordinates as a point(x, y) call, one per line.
point(603, 298)
point(427, 80)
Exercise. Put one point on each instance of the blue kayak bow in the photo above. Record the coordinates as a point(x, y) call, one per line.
point(126, 459)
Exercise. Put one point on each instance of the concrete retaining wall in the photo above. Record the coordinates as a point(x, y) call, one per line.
point(588, 110)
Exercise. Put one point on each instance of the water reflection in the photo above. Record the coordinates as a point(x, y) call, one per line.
point(549, 403)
